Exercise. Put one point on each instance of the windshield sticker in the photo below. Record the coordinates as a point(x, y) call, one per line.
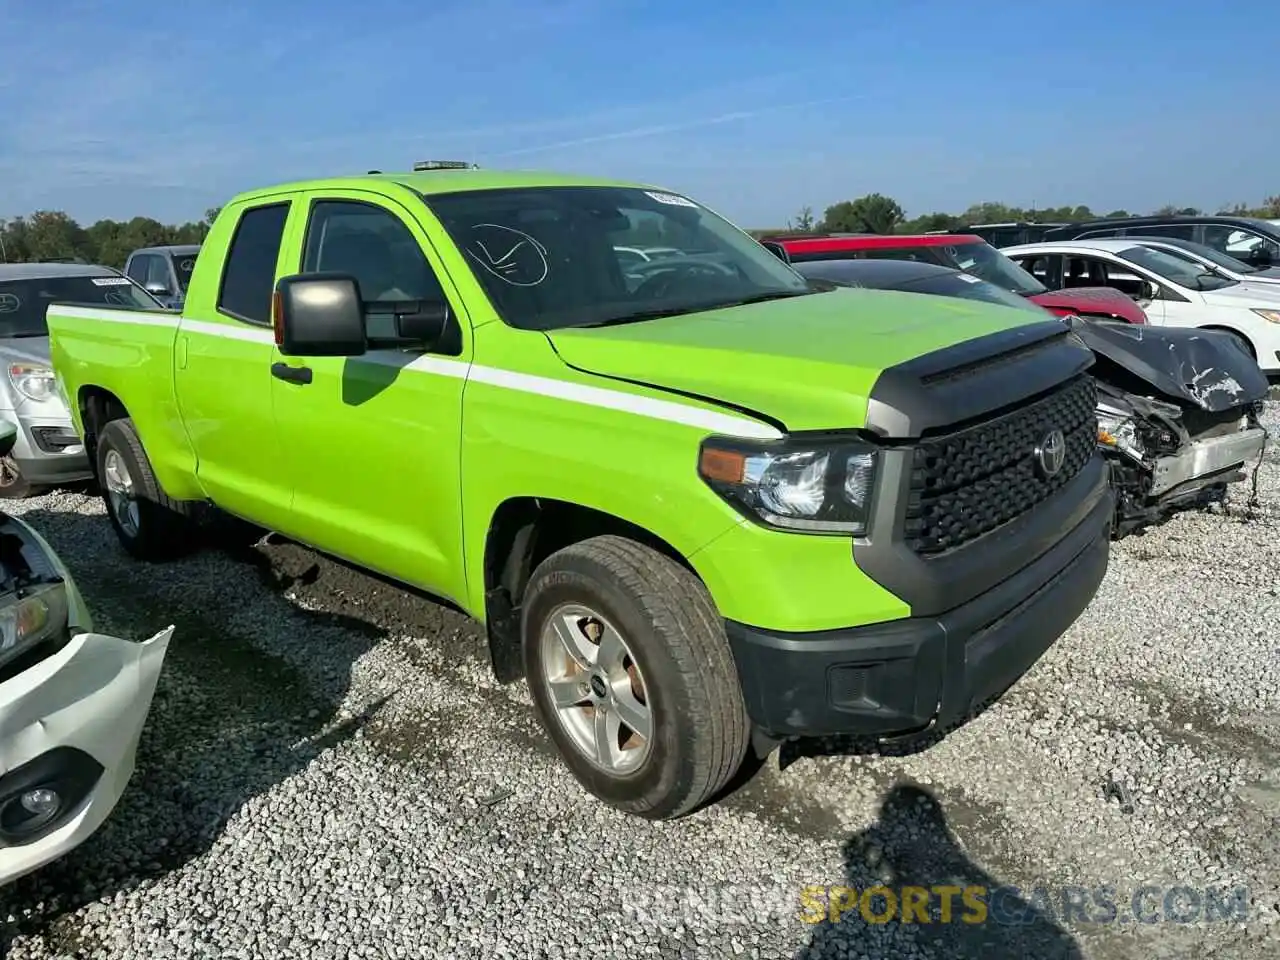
point(9, 303)
point(969, 278)
point(111, 281)
point(671, 199)
point(509, 254)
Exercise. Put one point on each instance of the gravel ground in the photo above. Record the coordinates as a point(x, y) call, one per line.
point(329, 771)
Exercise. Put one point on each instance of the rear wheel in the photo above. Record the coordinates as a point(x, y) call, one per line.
point(150, 525)
point(632, 677)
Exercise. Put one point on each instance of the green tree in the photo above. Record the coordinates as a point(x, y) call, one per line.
point(874, 213)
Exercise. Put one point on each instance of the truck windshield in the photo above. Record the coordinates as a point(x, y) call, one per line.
point(23, 302)
point(986, 262)
point(183, 265)
point(548, 257)
point(1186, 274)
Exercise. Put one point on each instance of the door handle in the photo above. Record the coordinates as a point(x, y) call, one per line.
point(282, 371)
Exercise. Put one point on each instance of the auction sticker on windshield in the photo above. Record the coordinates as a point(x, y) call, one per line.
point(670, 198)
point(111, 281)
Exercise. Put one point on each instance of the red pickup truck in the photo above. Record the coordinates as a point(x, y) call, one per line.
point(971, 254)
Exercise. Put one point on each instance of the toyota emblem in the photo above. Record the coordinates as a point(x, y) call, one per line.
point(1051, 452)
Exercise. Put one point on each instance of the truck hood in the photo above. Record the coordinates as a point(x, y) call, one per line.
point(1202, 367)
point(807, 362)
point(1094, 300)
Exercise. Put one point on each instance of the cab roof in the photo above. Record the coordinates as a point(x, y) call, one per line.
point(430, 182)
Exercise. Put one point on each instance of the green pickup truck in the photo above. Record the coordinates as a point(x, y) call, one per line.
point(699, 505)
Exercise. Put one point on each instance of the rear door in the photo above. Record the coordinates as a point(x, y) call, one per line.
point(374, 442)
point(222, 375)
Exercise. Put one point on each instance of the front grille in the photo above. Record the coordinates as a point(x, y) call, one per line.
point(970, 482)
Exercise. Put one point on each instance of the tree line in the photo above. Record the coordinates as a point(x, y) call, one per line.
point(53, 235)
point(876, 213)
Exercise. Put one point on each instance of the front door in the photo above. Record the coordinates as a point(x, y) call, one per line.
point(373, 442)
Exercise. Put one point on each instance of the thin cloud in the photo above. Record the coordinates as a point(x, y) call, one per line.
point(662, 129)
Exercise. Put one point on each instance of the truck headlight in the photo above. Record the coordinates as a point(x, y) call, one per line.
point(34, 381)
point(815, 487)
point(1119, 432)
point(26, 620)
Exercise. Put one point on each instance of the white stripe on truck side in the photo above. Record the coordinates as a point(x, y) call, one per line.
point(601, 397)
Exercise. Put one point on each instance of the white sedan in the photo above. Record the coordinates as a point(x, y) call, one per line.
point(1174, 292)
point(72, 704)
point(1215, 261)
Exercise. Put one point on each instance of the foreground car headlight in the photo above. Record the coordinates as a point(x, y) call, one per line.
point(818, 487)
point(38, 614)
point(1272, 316)
point(1119, 432)
point(33, 381)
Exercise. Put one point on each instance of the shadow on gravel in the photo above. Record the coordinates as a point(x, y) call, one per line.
point(228, 722)
point(911, 854)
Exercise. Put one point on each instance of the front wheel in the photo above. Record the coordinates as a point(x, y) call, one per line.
point(632, 677)
point(150, 525)
point(13, 485)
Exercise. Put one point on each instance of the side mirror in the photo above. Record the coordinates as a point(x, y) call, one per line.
point(1147, 292)
point(777, 249)
point(319, 315)
point(157, 289)
point(8, 437)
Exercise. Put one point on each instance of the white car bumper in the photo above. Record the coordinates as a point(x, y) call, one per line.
point(71, 722)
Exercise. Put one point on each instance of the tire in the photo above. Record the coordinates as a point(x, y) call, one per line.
point(151, 526)
point(13, 485)
point(672, 633)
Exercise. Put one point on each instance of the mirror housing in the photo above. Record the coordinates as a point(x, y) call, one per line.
point(1148, 292)
point(777, 249)
point(8, 437)
point(419, 325)
point(319, 315)
point(158, 290)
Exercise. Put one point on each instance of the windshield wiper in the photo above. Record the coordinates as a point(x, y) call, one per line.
point(763, 297)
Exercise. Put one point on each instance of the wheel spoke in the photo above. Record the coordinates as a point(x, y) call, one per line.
point(632, 712)
point(606, 737)
point(567, 693)
point(611, 651)
point(578, 647)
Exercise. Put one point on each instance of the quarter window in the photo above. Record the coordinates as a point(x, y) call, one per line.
point(249, 277)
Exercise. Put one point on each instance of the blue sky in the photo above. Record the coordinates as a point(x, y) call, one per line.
point(755, 108)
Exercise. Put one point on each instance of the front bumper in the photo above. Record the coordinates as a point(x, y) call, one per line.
point(1207, 460)
point(902, 676)
point(48, 451)
point(71, 721)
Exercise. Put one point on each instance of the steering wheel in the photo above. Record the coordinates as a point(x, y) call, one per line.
point(672, 275)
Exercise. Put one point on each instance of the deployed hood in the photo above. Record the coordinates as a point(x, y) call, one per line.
point(1203, 367)
point(809, 362)
point(1102, 300)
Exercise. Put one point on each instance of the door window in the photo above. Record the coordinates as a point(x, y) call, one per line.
point(249, 277)
point(1242, 244)
point(372, 245)
point(138, 268)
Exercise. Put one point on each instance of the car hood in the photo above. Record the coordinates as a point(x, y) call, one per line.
point(1263, 295)
point(26, 349)
point(1094, 300)
point(808, 362)
point(1203, 367)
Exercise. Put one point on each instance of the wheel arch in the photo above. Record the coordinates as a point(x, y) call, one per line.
point(522, 532)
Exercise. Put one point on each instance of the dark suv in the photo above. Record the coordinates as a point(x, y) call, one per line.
point(1256, 242)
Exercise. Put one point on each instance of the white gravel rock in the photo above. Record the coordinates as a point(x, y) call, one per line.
point(330, 771)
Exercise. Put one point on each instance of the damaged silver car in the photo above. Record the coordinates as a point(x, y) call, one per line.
point(1178, 408)
point(1178, 415)
point(73, 703)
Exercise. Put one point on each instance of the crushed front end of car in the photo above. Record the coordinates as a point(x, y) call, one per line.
point(1178, 417)
point(73, 703)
